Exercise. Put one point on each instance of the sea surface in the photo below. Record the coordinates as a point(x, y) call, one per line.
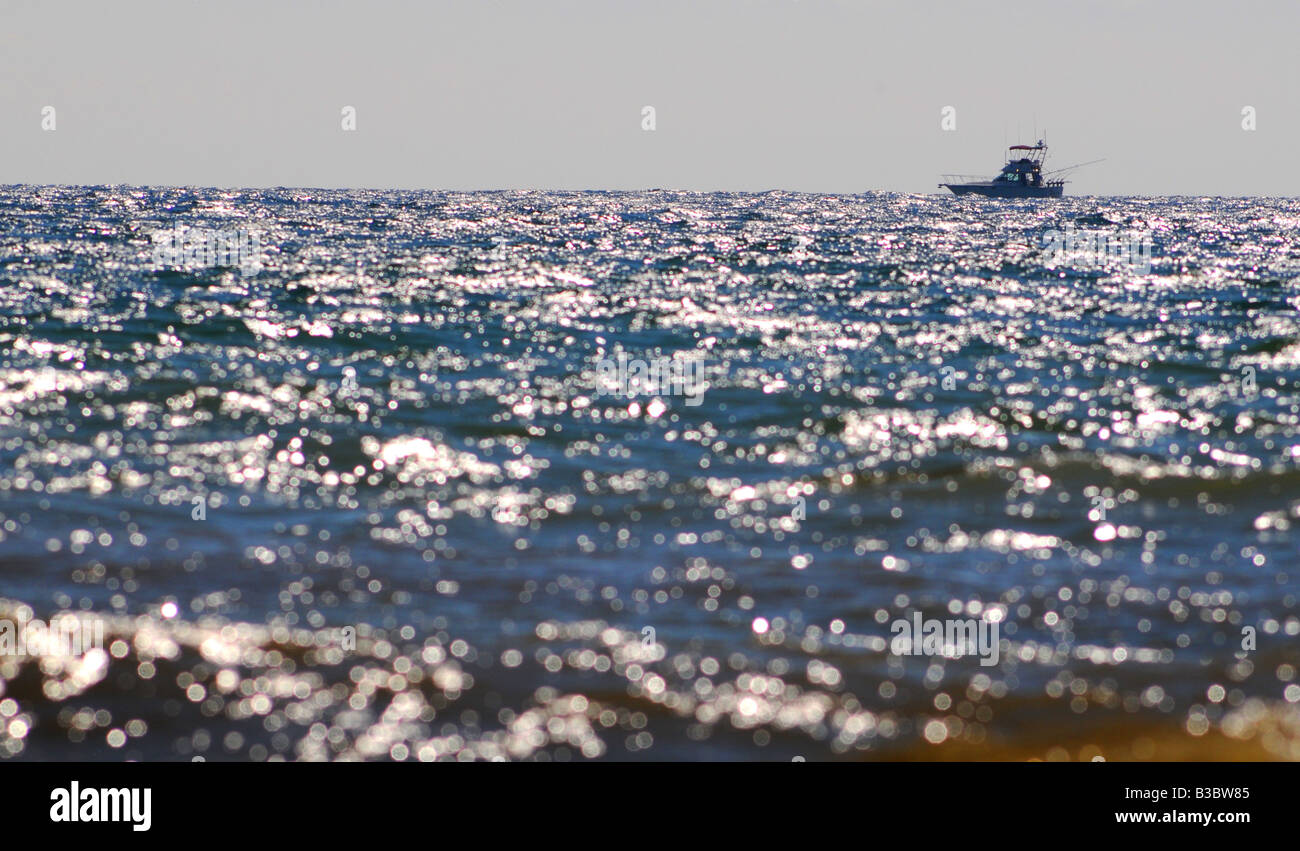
point(366, 492)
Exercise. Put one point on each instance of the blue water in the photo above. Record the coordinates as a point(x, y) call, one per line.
point(391, 419)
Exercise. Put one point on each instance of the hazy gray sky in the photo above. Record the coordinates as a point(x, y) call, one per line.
point(819, 95)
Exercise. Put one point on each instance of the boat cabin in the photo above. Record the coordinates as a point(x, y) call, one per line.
point(1024, 165)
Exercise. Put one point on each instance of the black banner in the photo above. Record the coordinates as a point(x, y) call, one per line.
point(179, 802)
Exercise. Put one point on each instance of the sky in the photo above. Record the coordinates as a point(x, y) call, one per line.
point(827, 96)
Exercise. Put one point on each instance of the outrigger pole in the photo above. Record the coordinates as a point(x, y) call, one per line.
point(1079, 165)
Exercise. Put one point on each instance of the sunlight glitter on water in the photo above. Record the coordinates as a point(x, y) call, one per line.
point(398, 426)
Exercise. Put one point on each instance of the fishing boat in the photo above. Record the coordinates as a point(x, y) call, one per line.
point(1021, 177)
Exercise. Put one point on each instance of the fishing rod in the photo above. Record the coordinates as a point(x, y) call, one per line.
point(1079, 165)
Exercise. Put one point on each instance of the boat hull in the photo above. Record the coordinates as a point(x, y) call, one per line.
point(1005, 190)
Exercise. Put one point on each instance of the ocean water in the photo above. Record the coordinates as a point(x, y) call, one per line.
point(364, 481)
